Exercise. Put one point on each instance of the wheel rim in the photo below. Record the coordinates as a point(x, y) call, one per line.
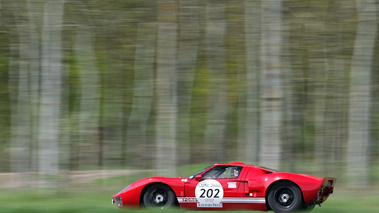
point(158, 197)
point(284, 196)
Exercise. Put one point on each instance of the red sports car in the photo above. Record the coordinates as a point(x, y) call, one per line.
point(229, 186)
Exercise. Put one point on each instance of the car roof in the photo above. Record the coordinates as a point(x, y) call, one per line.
point(247, 165)
point(237, 164)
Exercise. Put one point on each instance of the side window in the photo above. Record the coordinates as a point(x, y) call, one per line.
point(231, 172)
point(223, 172)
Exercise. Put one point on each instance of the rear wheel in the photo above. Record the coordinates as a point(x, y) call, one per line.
point(285, 197)
point(158, 195)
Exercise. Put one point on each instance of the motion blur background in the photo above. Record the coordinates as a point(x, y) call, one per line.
point(159, 84)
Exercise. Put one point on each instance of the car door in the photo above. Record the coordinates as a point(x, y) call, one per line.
point(214, 189)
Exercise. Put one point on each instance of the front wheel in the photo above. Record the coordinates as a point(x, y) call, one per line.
point(285, 197)
point(158, 195)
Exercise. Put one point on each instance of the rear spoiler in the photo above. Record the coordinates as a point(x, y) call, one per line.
point(326, 188)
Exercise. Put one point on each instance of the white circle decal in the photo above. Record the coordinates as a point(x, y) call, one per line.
point(209, 194)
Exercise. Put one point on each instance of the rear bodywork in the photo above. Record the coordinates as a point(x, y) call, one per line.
point(248, 191)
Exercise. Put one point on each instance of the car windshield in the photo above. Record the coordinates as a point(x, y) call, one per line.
point(199, 172)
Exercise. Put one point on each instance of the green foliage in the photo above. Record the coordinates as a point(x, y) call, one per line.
point(318, 46)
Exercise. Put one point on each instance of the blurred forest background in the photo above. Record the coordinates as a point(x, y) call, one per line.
point(157, 84)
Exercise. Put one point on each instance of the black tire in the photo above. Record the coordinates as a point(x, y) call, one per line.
point(285, 197)
point(158, 196)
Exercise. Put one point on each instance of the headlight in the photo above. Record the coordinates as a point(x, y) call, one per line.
point(124, 189)
point(118, 201)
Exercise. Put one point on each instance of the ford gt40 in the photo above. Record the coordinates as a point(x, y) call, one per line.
point(232, 186)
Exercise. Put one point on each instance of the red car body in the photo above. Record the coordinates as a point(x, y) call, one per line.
point(232, 186)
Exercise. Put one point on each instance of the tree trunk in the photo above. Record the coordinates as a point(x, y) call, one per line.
point(271, 83)
point(217, 109)
point(360, 95)
point(136, 134)
point(21, 115)
point(320, 70)
point(34, 51)
point(166, 121)
point(89, 109)
point(51, 83)
point(249, 114)
point(24, 90)
point(291, 127)
point(111, 132)
point(188, 46)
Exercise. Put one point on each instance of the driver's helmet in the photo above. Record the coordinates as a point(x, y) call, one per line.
point(234, 172)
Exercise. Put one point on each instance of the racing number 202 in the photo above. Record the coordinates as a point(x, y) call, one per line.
point(210, 193)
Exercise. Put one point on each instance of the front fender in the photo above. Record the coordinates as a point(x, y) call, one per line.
point(131, 197)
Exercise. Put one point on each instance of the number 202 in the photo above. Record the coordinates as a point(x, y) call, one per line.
point(209, 193)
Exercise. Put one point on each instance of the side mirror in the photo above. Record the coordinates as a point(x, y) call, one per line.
point(198, 177)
